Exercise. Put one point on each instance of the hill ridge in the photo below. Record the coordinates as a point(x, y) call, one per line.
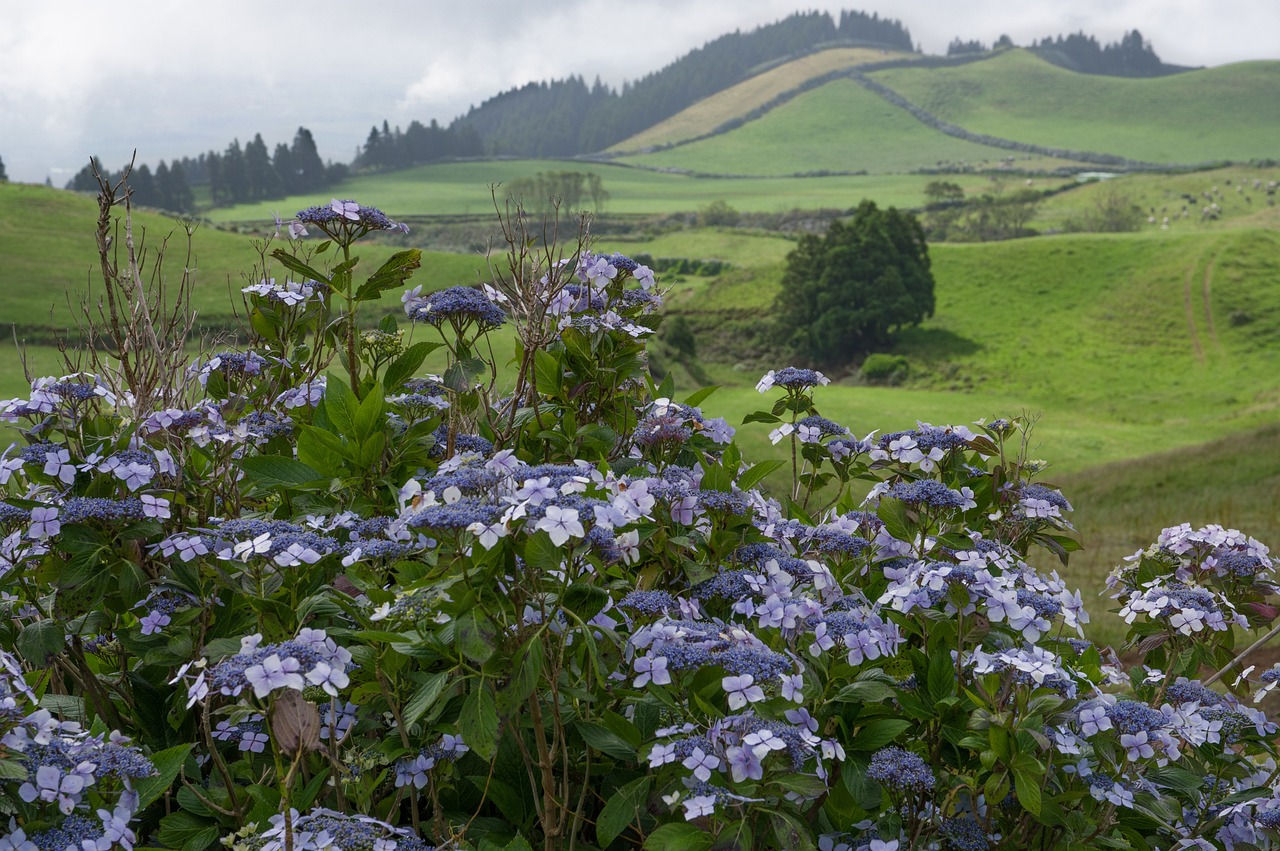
point(858, 73)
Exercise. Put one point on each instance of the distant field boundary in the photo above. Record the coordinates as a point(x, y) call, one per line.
point(923, 116)
point(859, 75)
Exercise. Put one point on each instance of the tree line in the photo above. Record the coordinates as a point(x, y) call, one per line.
point(237, 175)
point(566, 117)
point(418, 144)
point(1131, 56)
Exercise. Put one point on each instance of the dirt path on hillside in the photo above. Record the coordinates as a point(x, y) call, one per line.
point(1190, 310)
point(1208, 306)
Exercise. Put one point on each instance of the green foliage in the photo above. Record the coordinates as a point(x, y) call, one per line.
point(719, 214)
point(569, 189)
point(843, 294)
point(1114, 211)
point(879, 368)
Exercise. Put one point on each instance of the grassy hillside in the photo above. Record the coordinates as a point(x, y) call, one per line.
point(839, 126)
point(452, 189)
point(1240, 193)
point(709, 113)
point(1223, 113)
point(1162, 340)
point(1120, 507)
point(46, 239)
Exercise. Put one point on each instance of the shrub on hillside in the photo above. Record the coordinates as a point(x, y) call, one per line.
point(301, 596)
point(884, 369)
point(843, 294)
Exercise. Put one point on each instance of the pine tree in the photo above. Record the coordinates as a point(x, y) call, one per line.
point(306, 161)
point(282, 162)
point(178, 195)
point(261, 178)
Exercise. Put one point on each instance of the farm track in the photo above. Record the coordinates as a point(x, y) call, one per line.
point(1208, 306)
point(1190, 310)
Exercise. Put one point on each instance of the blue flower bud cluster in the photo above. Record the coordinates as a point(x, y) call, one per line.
point(458, 305)
point(901, 770)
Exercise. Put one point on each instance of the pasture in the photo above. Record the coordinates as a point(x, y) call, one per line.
point(1211, 114)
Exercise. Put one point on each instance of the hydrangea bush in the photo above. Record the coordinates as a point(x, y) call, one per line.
point(331, 603)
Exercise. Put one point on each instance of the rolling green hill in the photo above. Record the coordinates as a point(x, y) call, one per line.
point(1224, 113)
point(751, 94)
point(839, 126)
point(46, 239)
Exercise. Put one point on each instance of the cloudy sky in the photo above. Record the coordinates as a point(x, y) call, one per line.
point(80, 77)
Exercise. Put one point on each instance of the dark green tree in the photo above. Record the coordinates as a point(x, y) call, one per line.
point(143, 185)
point(4, 177)
point(261, 177)
point(845, 293)
point(234, 176)
point(172, 188)
point(282, 162)
point(306, 162)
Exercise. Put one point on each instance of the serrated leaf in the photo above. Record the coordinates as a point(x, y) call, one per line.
point(10, 770)
point(293, 264)
point(584, 600)
point(893, 512)
point(605, 741)
point(942, 677)
point(461, 376)
point(215, 386)
point(760, 417)
point(410, 361)
point(184, 832)
point(756, 473)
point(424, 698)
point(677, 836)
point(622, 808)
point(277, 471)
point(699, 396)
point(369, 414)
point(716, 478)
point(392, 273)
point(340, 405)
point(168, 763)
point(40, 641)
point(541, 554)
point(474, 639)
point(548, 373)
point(1027, 785)
point(878, 733)
point(867, 691)
point(371, 450)
point(527, 672)
point(479, 722)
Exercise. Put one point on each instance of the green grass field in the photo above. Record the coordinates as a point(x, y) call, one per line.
point(46, 239)
point(1241, 203)
point(711, 112)
point(1223, 113)
point(839, 126)
point(454, 189)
